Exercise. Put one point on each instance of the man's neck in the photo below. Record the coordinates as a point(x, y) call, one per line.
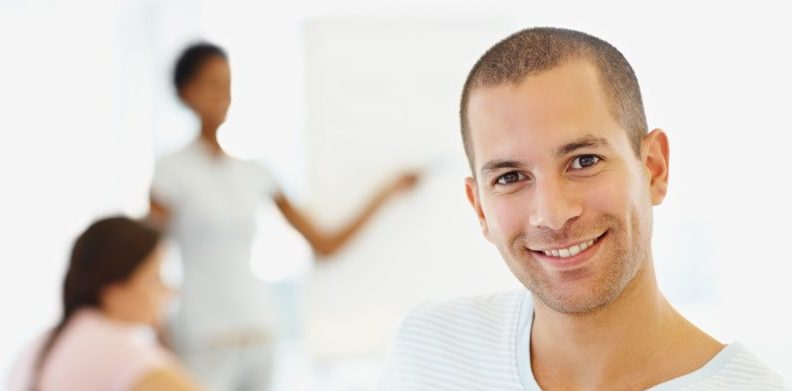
point(634, 342)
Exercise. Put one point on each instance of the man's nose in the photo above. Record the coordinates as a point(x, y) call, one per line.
point(554, 203)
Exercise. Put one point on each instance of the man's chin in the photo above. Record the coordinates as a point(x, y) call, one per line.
point(573, 300)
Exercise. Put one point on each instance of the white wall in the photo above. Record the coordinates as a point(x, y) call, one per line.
point(400, 79)
point(85, 107)
point(383, 93)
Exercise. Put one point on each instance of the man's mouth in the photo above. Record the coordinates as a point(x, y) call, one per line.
point(569, 250)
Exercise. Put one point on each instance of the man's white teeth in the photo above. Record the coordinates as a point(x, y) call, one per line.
point(574, 250)
point(570, 251)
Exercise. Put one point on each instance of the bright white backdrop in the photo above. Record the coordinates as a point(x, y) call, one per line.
point(335, 96)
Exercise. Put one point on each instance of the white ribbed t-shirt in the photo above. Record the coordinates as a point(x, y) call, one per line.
point(482, 343)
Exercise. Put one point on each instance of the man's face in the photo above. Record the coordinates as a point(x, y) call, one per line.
point(559, 189)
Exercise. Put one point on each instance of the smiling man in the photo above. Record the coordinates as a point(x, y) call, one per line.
point(564, 177)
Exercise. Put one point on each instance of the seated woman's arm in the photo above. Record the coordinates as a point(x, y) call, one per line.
point(166, 379)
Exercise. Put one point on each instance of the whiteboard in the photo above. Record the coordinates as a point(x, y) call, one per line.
point(383, 95)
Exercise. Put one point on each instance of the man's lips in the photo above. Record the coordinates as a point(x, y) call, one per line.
point(566, 250)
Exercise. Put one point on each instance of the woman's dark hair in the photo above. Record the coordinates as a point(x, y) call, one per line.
point(108, 252)
point(191, 60)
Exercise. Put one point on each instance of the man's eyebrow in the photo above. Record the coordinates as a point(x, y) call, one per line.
point(583, 142)
point(498, 164)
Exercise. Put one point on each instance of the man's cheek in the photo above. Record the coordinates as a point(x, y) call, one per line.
point(606, 196)
point(506, 221)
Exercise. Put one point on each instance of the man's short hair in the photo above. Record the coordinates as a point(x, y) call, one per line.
point(534, 50)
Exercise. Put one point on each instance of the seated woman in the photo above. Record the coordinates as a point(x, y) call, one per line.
point(111, 292)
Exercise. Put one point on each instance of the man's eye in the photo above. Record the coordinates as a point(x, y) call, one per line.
point(509, 178)
point(584, 161)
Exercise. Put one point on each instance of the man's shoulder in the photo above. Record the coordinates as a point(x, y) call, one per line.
point(464, 322)
point(742, 370)
point(479, 308)
point(734, 368)
point(465, 343)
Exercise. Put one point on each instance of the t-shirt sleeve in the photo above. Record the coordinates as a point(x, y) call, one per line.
point(268, 186)
point(165, 183)
point(399, 357)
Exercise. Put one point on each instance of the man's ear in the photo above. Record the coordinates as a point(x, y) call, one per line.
point(655, 158)
point(473, 197)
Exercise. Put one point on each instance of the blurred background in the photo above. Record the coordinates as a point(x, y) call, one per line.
point(335, 97)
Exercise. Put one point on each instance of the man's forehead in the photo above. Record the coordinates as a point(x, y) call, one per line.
point(568, 86)
point(541, 113)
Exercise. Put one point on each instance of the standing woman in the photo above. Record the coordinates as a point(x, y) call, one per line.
point(111, 293)
point(207, 200)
